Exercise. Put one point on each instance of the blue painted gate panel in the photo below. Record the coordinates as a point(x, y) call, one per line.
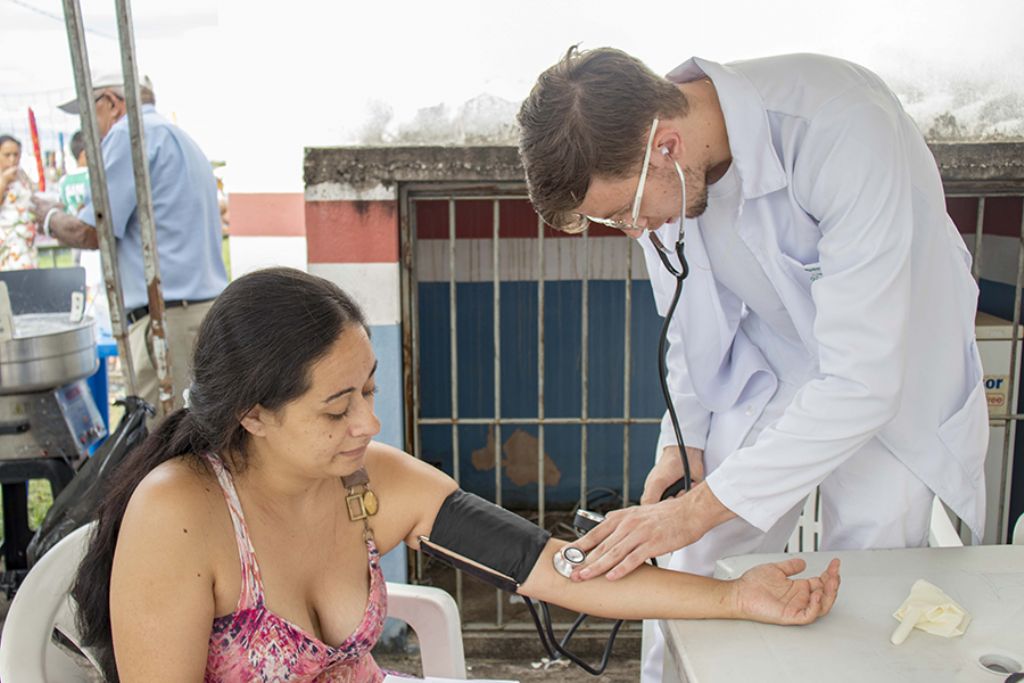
point(519, 386)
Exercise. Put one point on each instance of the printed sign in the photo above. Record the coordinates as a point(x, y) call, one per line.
point(997, 393)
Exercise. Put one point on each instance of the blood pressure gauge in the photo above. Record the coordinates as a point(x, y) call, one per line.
point(586, 520)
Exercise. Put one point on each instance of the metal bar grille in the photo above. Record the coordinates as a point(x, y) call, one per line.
point(454, 345)
point(540, 372)
point(496, 284)
point(458, 415)
point(1004, 525)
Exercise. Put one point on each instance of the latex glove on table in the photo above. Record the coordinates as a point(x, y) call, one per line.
point(931, 610)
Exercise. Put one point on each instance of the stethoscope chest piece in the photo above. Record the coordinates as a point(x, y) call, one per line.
point(567, 559)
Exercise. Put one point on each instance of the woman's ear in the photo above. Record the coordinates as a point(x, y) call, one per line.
point(255, 421)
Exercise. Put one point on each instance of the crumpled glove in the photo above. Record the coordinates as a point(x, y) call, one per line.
point(929, 609)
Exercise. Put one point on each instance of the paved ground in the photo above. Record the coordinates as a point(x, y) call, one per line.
point(618, 671)
point(525, 672)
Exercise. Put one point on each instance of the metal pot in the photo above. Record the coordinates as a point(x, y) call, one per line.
point(47, 351)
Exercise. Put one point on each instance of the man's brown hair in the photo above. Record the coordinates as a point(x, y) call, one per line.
point(588, 115)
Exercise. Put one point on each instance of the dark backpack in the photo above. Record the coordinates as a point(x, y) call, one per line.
point(79, 502)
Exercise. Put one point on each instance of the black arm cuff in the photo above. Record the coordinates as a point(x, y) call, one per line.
point(471, 531)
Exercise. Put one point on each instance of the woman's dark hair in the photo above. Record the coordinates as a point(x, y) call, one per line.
point(10, 138)
point(256, 346)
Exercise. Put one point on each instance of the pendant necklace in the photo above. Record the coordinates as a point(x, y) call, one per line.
point(361, 502)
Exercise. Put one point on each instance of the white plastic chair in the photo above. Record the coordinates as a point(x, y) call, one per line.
point(1018, 532)
point(807, 535)
point(27, 651)
point(42, 604)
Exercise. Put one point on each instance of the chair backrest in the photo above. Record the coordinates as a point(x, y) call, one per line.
point(27, 650)
point(806, 536)
point(1018, 532)
point(43, 290)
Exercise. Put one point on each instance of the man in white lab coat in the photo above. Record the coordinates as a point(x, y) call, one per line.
point(825, 333)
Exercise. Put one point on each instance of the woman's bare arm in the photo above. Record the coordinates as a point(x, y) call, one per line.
point(161, 587)
point(764, 594)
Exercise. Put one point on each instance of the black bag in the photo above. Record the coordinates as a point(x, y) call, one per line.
point(79, 502)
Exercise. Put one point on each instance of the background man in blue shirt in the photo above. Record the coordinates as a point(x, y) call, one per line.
point(187, 221)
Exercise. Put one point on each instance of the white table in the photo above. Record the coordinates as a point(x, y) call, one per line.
point(852, 642)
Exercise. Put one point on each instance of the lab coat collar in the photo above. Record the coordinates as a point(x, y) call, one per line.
point(746, 121)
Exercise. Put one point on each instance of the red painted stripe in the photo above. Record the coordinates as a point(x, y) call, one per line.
point(352, 231)
point(1002, 215)
point(474, 218)
point(267, 214)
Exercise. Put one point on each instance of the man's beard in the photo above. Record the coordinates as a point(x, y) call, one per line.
point(696, 192)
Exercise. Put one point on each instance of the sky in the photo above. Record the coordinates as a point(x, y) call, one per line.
point(254, 83)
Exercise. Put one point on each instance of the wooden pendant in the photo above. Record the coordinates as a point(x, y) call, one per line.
point(370, 503)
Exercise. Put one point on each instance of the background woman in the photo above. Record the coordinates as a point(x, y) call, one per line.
point(17, 231)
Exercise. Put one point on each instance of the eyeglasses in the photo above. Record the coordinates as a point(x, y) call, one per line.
point(635, 213)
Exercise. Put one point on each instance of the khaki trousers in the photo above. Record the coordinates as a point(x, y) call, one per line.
point(181, 325)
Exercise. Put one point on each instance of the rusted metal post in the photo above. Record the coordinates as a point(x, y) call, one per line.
point(144, 200)
point(98, 178)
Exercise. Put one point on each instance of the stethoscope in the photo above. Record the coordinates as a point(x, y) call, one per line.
point(680, 273)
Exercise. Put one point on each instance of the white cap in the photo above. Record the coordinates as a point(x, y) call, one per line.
point(114, 80)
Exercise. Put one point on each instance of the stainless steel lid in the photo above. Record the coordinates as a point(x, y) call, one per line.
point(47, 351)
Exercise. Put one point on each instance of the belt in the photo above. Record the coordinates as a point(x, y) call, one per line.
point(137, 314)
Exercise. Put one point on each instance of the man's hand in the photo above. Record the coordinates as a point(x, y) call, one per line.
point(65, 228)
point(8, 176)
point(41, 206)
point(628, 538)
point(669, 469)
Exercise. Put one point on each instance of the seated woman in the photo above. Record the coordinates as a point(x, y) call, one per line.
point(226, 551)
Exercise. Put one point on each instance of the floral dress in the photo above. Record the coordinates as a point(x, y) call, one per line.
point(17, 231)
point(253, 644)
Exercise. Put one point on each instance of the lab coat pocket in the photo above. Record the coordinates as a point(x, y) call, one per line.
point(965, 433)
point(803, 274)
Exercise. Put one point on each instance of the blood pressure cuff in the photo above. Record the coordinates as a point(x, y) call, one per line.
point(494, 545)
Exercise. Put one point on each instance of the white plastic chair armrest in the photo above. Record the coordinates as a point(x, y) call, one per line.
point(434, 616)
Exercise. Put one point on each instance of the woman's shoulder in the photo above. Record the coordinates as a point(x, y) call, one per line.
point(180, 490)
point(393, 467)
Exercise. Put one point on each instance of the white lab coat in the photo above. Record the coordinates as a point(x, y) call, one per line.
point(842, 205)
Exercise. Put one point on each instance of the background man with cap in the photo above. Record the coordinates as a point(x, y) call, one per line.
point(187, 227)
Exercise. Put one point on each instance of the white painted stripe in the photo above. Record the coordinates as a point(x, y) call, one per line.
point(998, 257)
point(252, 253)
point(329, 192)
point(375, 286)
point(563, 259)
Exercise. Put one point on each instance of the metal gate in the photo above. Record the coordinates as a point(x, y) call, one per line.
point(489, 372)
